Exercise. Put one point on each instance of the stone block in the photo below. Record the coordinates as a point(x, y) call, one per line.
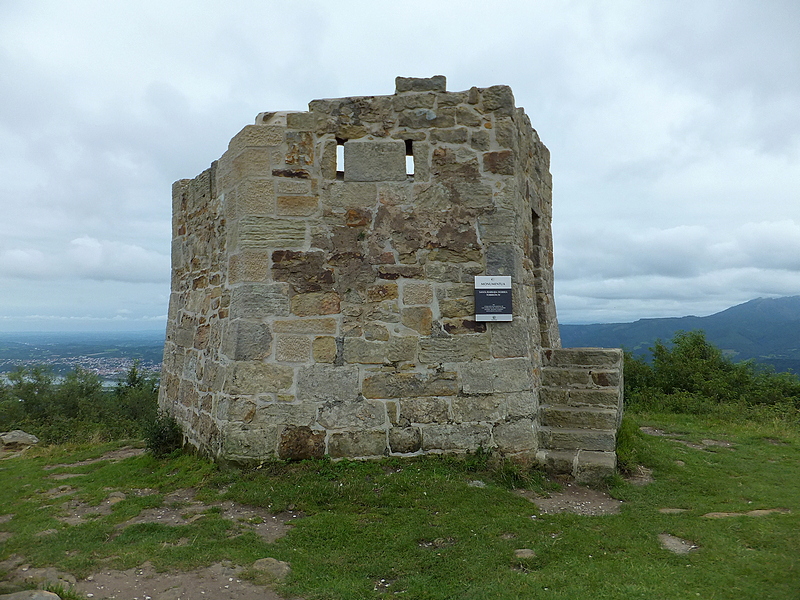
point(577, 439)
point(606, 378)
point(381, 292)
point(553, 396)
point(376, 332)
point(498, 227)
point(249, 265)
point(248, 340)
point(303, 121)
point(327, 383)
point(259, 300)
point(256, 135)
point(392, 272)
point(423, 118)
point(489, 408)
point(417, 293)
point(456, 437)
point(315, 303)
point(328, 162)
point(375, 160)
point(594, 467)
point(600, 358)
point(358, 444)
point(437, 83)
point(462, 348)
point(252, 377)
point(242, 444)
point(460, 326)
point(500, 163)
point(480, 140)
point(353, 194)
point(319, 326)
point(296, 206)
point(296, 187)
point(468, 116)
point(522, 404)
point(574, 418)
point(458, 135)
point(510, 339)
point(324, 349)
point(515, 436)
point(284, 413)
point(352, 414)
point(424, 410)
point(457, 307)
point(406, 385)
point(253, 197)
point(422, 168)
point(499, 376)
point(501, 260)
point(557, 462)
point(292, 348)
point(269, 232)
point(421, 100)
point(418, 318)
point(607, 398)
point(566, 377)
point(405, 440)
point(301, 443)
point(498, 98)
point(397, 349)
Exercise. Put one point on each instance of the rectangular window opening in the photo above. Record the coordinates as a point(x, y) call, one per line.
point(410, 157)
point(340, 158)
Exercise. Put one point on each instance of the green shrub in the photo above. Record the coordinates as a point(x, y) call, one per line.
point(163, 435)
point(77, 408)
point(692, 376)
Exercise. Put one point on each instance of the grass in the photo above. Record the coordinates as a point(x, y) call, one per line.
point(417, 529)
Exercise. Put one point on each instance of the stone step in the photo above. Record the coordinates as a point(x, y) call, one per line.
point(583, 465)
point(556, 377)
point(571, 417)
point(597, 397)
point(603, 358)
point(557, 438)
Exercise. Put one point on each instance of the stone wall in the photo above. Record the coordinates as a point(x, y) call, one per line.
point(326, 308)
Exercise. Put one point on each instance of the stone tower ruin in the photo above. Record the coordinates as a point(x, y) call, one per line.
point(323, 274)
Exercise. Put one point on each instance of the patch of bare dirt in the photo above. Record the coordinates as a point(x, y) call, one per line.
point(220, 581)
point(575, 499)
point(703, 445)
point(181, 508)
point(112, 456)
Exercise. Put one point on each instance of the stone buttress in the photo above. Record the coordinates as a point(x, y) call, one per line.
point(322, 284)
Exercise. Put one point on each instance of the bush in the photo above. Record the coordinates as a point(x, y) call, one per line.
point(163, 435)
point(693, 376)
point(77, 408)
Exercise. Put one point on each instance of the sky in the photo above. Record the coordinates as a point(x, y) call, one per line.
point(673, 128)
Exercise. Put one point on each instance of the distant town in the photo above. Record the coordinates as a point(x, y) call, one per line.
point(109, 355)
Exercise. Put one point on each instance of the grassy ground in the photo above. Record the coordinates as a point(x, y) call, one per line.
point(417, 529)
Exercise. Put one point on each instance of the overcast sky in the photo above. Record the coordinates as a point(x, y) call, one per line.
point(674, 131)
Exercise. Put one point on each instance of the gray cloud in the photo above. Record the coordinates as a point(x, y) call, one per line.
point(673, 129)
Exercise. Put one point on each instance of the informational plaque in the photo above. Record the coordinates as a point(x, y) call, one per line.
point(493, 298)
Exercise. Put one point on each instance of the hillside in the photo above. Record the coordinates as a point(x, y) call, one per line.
point(765, 329)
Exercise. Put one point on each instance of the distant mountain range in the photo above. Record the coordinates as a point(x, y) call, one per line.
point(765, 329)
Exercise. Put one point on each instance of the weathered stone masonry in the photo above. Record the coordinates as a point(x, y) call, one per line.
point(320, 308)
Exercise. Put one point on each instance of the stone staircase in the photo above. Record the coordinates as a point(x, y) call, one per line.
point(580, 409)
